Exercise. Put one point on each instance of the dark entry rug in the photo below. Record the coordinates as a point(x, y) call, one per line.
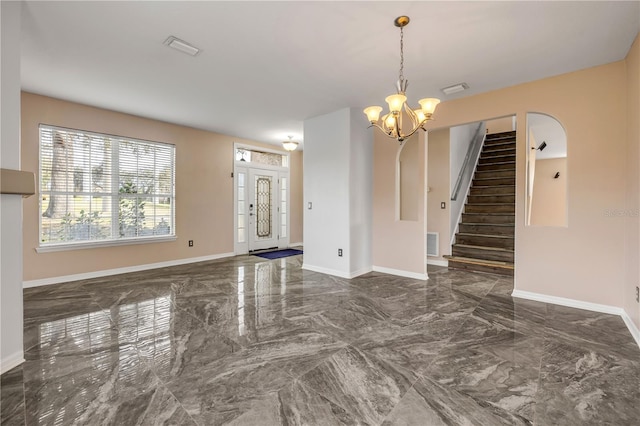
point(277, 254)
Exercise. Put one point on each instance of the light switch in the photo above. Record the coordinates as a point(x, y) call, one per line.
point(443, 205)
point(309, 205)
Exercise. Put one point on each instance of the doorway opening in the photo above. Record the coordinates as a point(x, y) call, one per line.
point(261, 194)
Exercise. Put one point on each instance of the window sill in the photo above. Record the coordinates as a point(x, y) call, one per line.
point(100, 244)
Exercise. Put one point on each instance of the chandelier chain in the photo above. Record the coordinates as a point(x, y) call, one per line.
point(401, 75)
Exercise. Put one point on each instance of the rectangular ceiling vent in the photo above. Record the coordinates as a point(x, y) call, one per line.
point(433, 244)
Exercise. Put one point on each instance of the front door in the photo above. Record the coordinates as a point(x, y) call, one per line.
point(262, 206)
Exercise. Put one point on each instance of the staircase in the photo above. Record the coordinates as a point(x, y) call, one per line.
point(485, 238)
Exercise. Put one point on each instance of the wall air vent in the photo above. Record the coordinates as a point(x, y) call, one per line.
point(433, 242)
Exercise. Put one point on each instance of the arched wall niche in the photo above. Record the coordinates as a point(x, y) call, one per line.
point(547, 171)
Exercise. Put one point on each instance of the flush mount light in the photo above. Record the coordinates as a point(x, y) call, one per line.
point(290, 145)
point(455, 88)
point(182, 46)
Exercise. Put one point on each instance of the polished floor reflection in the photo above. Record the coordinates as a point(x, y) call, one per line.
point(250, 341)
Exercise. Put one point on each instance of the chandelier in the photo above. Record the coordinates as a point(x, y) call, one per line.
point(391, 123)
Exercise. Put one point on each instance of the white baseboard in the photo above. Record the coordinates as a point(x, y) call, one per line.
point(401, 273)
point(579, 304)
point(635, 332)
point(335, 272)
point(11, 361)
point(438, 262)
point(295, 244)
point(125, 270)
point(572, 303)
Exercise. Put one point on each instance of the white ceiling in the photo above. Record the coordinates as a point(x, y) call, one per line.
point(267, 66)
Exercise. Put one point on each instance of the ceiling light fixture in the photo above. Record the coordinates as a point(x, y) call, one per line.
point(182, 46)
point(455, 88)
point(290, 145)
point(392, 122)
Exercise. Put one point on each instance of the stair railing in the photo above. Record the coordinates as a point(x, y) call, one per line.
point(470, 160)
point(466, 173)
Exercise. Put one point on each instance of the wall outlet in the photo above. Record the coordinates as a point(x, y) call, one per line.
point(637, 294)
point(190, 243)
point(339, 252)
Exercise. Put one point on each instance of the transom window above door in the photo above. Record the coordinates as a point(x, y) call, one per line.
point(261, 157)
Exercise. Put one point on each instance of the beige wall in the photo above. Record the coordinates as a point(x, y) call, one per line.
point(584, 261)
point(632, 230)
point(204, 190)
point(438, 181)
point(549, 203)
point(397, 244)
point(499, 125)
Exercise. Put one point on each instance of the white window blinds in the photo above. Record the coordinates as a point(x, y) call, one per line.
point(97, 187)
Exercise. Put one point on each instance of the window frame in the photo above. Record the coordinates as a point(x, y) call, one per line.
point(115, 177)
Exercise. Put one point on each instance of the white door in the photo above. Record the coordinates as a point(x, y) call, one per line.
point(263, 217)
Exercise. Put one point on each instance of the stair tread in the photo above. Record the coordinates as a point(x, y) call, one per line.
point(496, 263)
point(488, 157)
point(491, 195)
point(489, 138)
point(493, 213)
point(486, 248)
point(490, 204)
point(489, 224)
point(500, 141)
point(494, 186)
point(471, 234)
point(498, 162)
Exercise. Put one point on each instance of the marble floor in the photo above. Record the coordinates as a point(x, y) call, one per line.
point(249, 341)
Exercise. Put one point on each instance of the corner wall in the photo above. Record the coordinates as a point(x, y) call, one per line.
point(204, 191)
point(399, 246)
point(439, 190)
point(11, 311)
point(632, 209)
point(337, 184)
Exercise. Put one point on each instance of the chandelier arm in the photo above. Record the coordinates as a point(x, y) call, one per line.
point(385, 131)
point(412, 115)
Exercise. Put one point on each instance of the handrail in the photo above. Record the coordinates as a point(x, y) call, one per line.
point(467, 165)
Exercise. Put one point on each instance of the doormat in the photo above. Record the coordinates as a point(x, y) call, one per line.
point(277, 254)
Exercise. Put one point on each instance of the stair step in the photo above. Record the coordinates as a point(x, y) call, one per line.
point(497, 241)
point(482, 252)
point(490, 174)
point(489, 218)
point(497, 190)
point(508, 181)
point(497, 146)
point(478, 265)
point(501, 135)
point(490, 208)
point(492, 198)
point(501, 158)
point(503, 165)
point(506, 150)
point(487, 228)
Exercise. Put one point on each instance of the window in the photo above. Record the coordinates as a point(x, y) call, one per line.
point(103, 188)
